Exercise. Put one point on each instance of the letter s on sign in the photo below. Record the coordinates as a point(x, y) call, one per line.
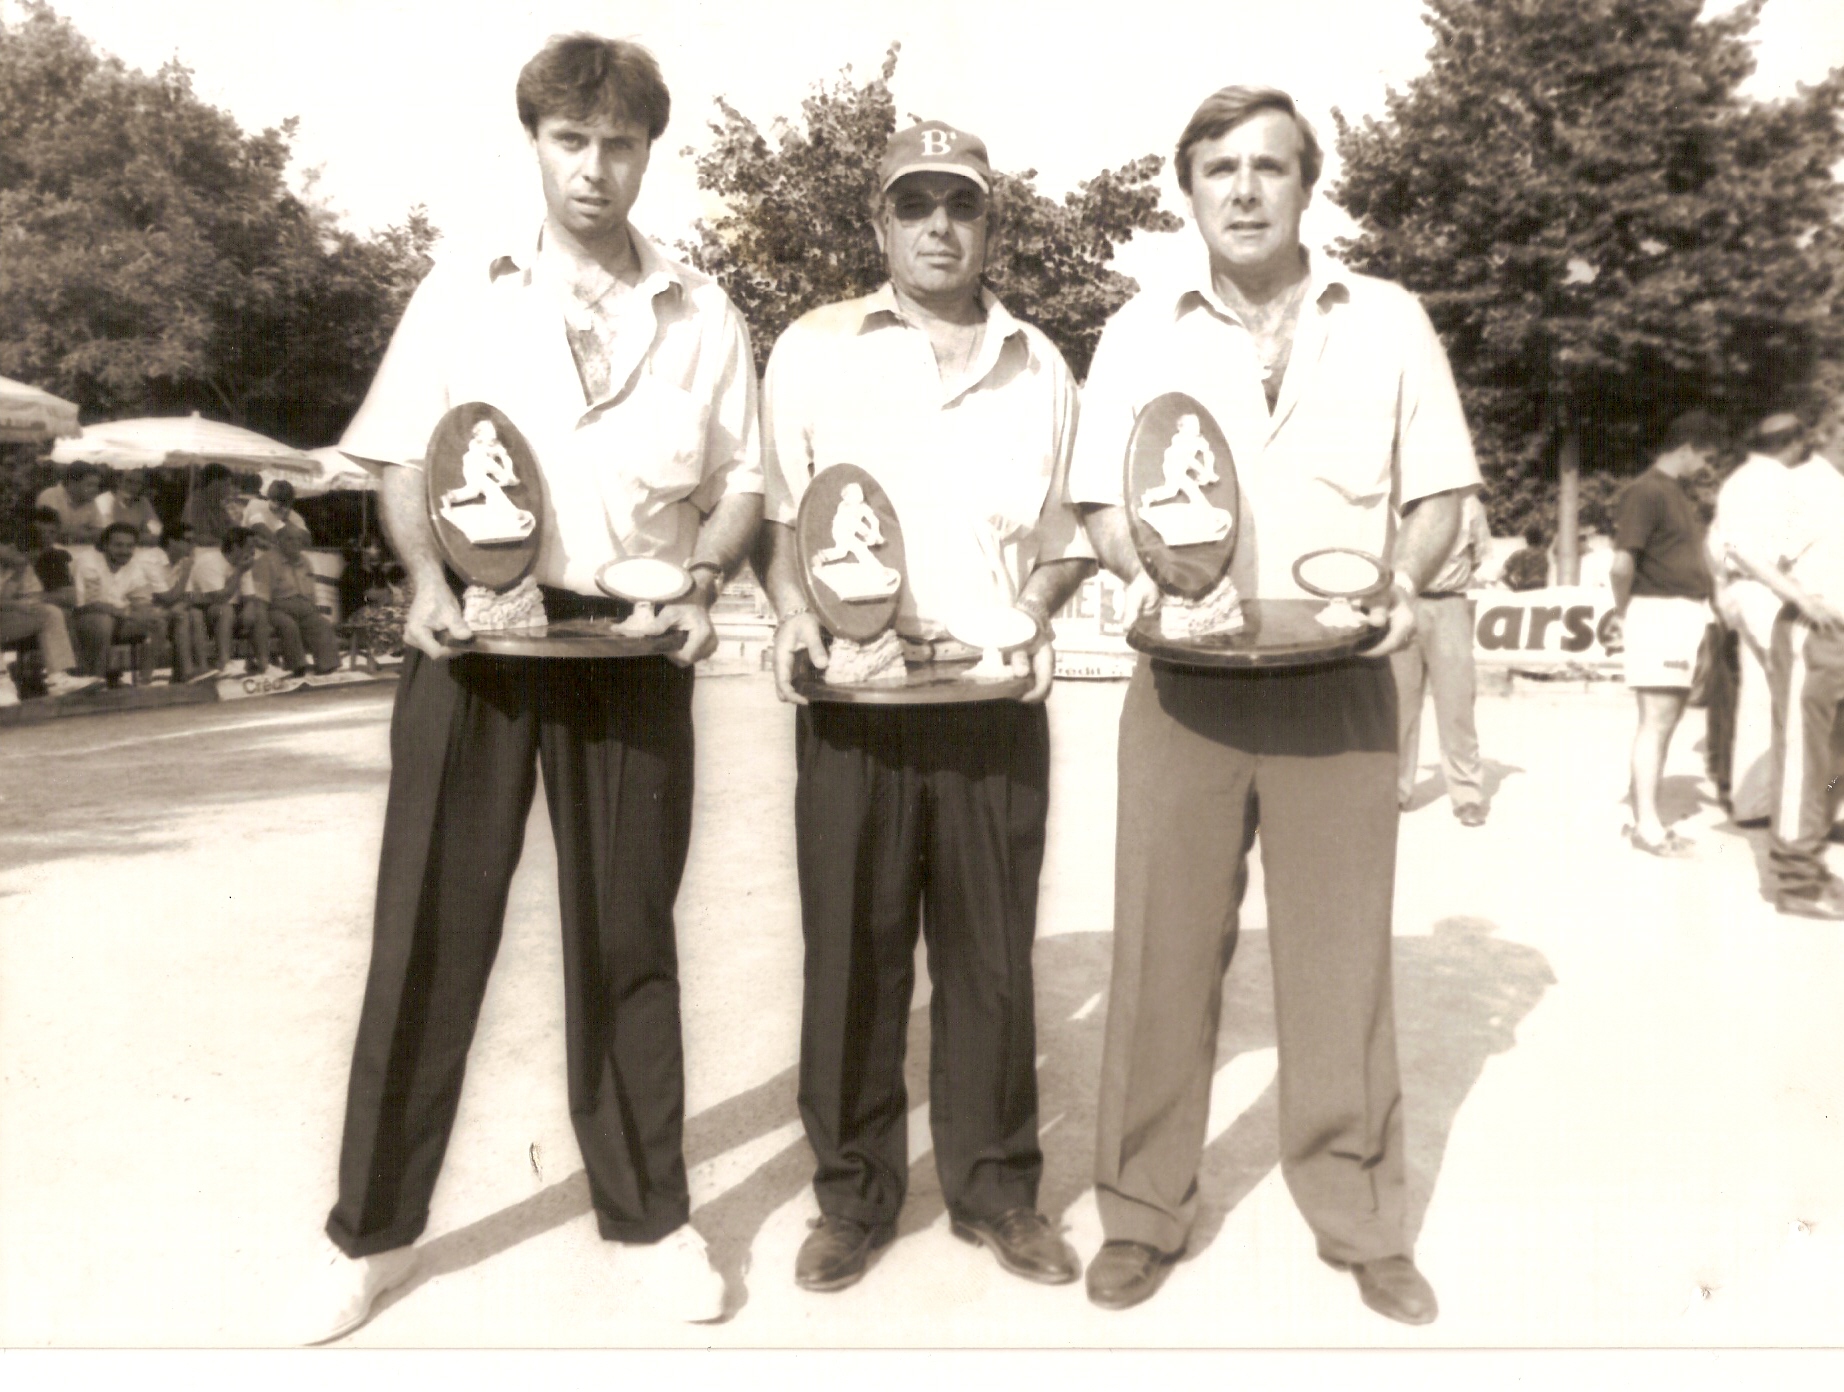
point(1579, 636)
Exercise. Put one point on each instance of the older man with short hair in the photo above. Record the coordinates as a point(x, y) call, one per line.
point(283, 605)
point(1339, 409)
point(925, 817)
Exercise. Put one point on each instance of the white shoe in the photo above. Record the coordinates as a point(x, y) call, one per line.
point(337, 1298)
point(676, 1276)
point(65, 684)
point(208, 674)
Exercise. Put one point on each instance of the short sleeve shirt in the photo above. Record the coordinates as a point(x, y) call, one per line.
point(273, 578)
point(1658, 523)
point(1367, 420)
point(629, 473)
point(53, 568)
point(72, 514)
point(1753, 511)
point(1815, 550)
point(258, 513)
point(98, 583)
point(975, 468)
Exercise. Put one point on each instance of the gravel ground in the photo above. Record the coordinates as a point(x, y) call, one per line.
point(1623, 1079)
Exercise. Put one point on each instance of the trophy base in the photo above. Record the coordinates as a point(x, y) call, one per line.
point(1275, 633)
point(929, 684)
point(572, 638)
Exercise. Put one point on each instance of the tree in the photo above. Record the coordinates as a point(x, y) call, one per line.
point(1603, 229)
point(153, 260)
point(796, 230)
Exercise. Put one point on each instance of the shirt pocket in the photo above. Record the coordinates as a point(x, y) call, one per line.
point(654, 439)
point(1351, 446)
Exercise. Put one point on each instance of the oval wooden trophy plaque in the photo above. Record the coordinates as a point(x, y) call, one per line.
point(1183, 505)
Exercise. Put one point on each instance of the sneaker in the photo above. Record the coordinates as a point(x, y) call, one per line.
point(69, 684)
point(208, 674)
point(676, 1276)
point(339, 1294)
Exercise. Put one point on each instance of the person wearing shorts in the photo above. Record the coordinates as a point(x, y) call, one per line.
point(1661, 586)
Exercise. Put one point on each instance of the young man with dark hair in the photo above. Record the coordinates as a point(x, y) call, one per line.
point(214, 589)
point(630, 377)
point(115, 603)
point(1661, 586)
point(25, 613)
point(73, 498)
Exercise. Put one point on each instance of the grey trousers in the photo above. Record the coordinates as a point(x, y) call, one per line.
point(1309, 757)
point(1440, 660)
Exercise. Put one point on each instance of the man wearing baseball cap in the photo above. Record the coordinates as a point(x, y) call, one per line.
point(925, 817)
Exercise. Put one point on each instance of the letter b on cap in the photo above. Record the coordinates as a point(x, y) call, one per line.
point(937, 142)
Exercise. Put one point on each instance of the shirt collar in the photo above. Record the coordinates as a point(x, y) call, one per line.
point(654, 264)
point(882, 310)
point(1324, 275)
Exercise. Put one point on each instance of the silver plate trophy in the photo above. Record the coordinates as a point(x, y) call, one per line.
point(486, 506)
point(852, 569)
point(1184, 513)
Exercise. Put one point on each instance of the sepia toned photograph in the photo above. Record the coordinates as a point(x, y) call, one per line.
point(982, 677)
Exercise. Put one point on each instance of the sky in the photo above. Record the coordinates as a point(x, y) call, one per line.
point(402, 102)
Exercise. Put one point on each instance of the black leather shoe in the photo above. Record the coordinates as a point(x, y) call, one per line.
point(1125, 1273)
point(1025, 1244)
point(1394, 1289)
point(837, 1252)
point(1826, 908)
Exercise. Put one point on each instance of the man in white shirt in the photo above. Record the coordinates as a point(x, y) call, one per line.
point(630, 377)
point(1805, 572)
point(1340, 411)
point(1440, 660)
point(115, 604)
point(1753, 508)
point(276, 511)
point(218, 581)
point(74, 498)
point(912, 817)
point(26, 613)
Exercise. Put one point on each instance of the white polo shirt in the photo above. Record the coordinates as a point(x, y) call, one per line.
point(632, 473)
point(975, 468)
point(1814, 546)
point(124, 588)
point(259, 512)
point(1368, 418)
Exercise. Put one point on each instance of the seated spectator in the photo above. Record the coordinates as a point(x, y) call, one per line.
point(128, 502)
point(214, 588)
point(283, 604)
point(25, 616)
point(80, 519)
point(51, 562)
point(115, 604)
point(269, 515)
point(167, 570)
point(1527, 568)
point(214, 507)
point(380, 617)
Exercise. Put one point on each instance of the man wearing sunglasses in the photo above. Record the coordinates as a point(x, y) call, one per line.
point(927, 816)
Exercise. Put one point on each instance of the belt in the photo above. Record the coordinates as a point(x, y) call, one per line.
point(1442, 594)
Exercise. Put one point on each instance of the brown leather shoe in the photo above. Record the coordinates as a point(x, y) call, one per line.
point(1394, 1289)
point(1025, 1244)
point(837, 1252)
point(1471, 815)
point(1125, 1273)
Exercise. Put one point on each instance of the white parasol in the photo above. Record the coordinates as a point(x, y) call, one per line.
point(181, 441)
point(29, 413)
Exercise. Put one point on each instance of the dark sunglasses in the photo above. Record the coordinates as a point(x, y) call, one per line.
point(963, 205)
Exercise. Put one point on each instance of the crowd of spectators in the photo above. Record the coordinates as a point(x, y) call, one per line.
point(90, 566)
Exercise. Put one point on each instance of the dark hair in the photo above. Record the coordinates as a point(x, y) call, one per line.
point(235, 539)
point(284, 490)
point(211, 473)
point(584, 75)
point(1698, 429)
point(1533, 535)
point(82, 468)
point(179, 531)
point(133, 531)
point(1227, 108)
point(48, 515)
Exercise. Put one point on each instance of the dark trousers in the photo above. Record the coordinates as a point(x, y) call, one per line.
point(929, 815)
point(614, 739)
point(1806, 668)
point(1309, 756)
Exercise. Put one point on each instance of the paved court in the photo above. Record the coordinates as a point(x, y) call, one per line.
point(1624, 1077)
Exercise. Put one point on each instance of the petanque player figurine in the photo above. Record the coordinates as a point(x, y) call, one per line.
point(630, 377)
point(1339, 409)
point(965, 417)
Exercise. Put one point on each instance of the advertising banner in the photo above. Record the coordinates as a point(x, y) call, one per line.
point(1558, 626)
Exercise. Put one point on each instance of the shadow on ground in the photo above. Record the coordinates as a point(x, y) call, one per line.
point(1460, 996)
point(1430, 788)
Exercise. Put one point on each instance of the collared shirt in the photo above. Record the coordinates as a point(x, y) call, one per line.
point(99, 583)
point(110, 509)
point(1754, 508)
point(975, 468)
point(1470, 548)
point(258, 513)
point(629, 473)
point(1368, 419)
point(1814, 554)
point(274, 577)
